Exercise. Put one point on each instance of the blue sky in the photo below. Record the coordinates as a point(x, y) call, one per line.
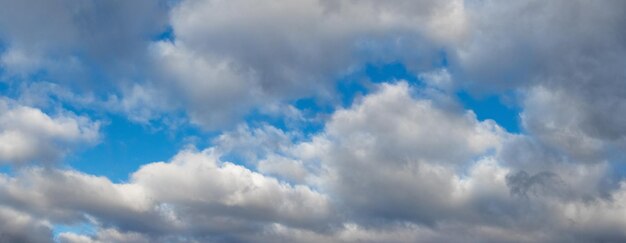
point(312, 121)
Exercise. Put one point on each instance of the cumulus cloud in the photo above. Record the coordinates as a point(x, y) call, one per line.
point(393, 167)
point(404, 162)
point(28, 134)
point(195, 194)
point(228, 196)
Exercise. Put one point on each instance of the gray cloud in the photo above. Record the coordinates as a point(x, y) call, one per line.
point(521, 183)
point(566, 56)
point(66, 33)
point(18, 227)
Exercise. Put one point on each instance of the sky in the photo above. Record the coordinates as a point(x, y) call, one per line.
point(312, 121)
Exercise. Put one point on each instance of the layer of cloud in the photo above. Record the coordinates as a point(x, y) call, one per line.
point(215, 198)
point(373, 183)
point(403, 163)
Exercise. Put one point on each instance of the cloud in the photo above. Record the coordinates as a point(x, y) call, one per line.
point(67, 32)
point(66, 196)
point(565, 57)
point(403, 163)
point(18, 227)
point(400, 168)
point(393, 157)
point(212, 90)
point(521, 182)
point(219, 66)
point(228, 197)
point(90, 53)
point(571, 123)
point(229, 57)
point(392, 167)
point(28, 134)
point(215, 198)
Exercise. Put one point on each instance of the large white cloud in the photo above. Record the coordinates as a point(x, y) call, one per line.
point(214, 195)
point(379, 172)
point(394, 157)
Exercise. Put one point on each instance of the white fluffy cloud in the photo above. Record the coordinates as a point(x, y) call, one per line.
point(393, 157)
point(28, 134)
point(213, 194)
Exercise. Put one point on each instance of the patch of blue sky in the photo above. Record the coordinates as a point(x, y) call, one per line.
point(257, 118)
point(79, 228)
point(442, 60)
point(492, 107)
point(6, 170)
point(618, 170)
point(314, 113)
point(125, 146)
point(486, 106)
point(167, 35)
point(360, 83)
point(4, 86)
point(378, 73)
